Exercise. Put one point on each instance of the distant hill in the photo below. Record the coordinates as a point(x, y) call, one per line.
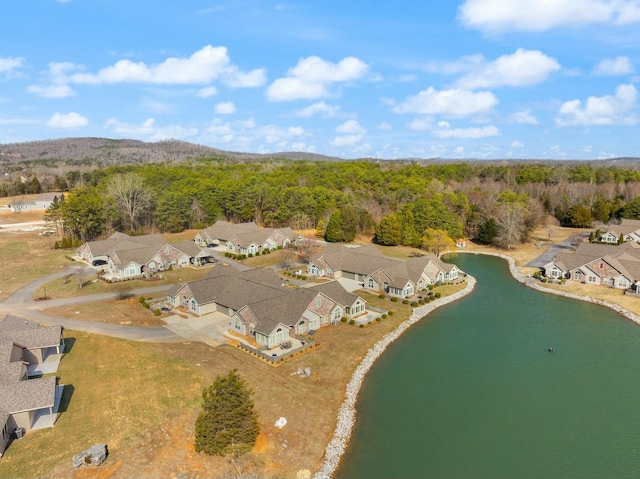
point(105, 151)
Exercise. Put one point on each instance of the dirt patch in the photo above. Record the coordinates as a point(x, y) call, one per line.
point(127, 312)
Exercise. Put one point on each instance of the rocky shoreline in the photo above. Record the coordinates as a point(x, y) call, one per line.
point(347, 412)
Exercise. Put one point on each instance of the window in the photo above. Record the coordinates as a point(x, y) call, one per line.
point(371, 282)
point(237, 324)
point(337, 314)
point(592, 279)
point(601, 266)
point(166, 251)
point(318, 303)
point(313, 324)
point(303, 327)
point(194, 305)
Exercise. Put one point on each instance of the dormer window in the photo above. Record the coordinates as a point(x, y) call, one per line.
point(601, 265)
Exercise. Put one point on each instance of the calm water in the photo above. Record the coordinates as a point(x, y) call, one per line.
point(471, 391)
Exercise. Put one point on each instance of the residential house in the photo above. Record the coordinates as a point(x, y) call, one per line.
point(41, 201)
point(259, 307)
point(628, 229)
point(246, 238)
point(26, 403)
point(376, 272)
point(598, 264)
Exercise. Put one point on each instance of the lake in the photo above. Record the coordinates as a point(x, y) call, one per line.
point(472, 391)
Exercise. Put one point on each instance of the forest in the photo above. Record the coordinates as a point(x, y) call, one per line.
point(401, 203)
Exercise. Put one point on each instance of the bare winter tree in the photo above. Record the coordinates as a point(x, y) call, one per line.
point(307, 249)
point(511, 223)
point(287, 257)
point(132, 197)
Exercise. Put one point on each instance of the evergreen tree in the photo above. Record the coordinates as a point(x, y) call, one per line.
point(389, 232)
point(334, 232)
point(227, 422)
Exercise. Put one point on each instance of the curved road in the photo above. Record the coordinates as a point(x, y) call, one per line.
point(21, 304)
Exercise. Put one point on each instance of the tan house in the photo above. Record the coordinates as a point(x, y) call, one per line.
point(628, 229)
point(246, 238)
point(26, 403)
point(376, 272)
point(598, 264)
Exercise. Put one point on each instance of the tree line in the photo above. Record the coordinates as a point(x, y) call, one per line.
point(399, 203)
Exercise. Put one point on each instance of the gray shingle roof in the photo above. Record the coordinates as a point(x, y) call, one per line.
point(336, 291)
point(223, 230)
point(37, 338)
point(28, 395)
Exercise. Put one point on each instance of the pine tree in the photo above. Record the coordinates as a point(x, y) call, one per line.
point(227, 423)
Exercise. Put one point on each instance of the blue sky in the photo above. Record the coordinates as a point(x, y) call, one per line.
point(405, 79)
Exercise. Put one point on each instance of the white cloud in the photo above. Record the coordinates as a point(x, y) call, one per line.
point(145, 128)
point(346, 140)
point(453, 103)
point(352, 133)
point(470, 133)
point(10, 64)
point(52, 91)
point(614, 66)
point(225, 108)
point(312, 77)
point(69, 120)
point(245, 135)
point(385, 126)
point(420, 124)
point(318, 108)
point(516, 144)
point(495, 16)
point(148, 130)
point(237, 79)
point(522, 68)
point(604, 110)
point(351, 127)
point(524, 116)
point(207, 92)
point(202, 67)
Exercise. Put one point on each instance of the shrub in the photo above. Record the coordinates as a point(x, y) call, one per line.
point(304, 278)
point(141, 300)
point(383, 316)
point(430, 287)
point(362, 325)
point(390, 313)
point(157, 312)
point(352, 322)
point(378, 318)
point(343, 319)
point(394, 299)
point(250, 255)
point(381, 296)
point(414, 304)
point(438, 295)
point(421, 301)
point(405, 301)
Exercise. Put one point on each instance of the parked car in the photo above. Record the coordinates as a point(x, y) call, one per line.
point(98, 262)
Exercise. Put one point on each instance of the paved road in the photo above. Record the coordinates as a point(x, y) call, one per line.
point(21, 304)
point(555, 248)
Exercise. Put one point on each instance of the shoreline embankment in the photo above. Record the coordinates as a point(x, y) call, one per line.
point(347, 411)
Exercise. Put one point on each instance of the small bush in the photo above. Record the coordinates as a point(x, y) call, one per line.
point(157, 312)
point(250, 255)
point(421, 301)
point(381, 296)
point(414, 304)
point(378, 318)
point(430, 287)
point(141, 300)
point(383, 316)
point(362, 325)
point(343, 319)
point(390, 313)
point(352, 322)
point(405, 301)
point(438, 295)
point(304, 278)
point(394, 299)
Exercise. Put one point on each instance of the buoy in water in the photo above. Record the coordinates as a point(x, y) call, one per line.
point(550, 350)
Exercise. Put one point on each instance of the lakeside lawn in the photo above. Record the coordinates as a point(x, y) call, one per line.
point(142, 398)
